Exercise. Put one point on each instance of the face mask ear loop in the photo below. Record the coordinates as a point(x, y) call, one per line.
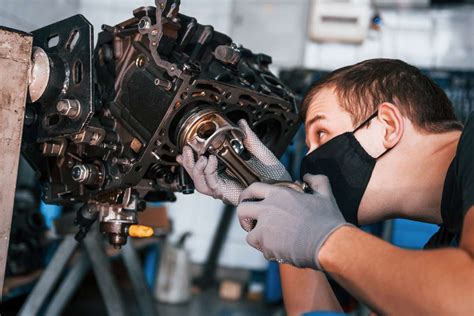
point(366, 121)
point(382, 154)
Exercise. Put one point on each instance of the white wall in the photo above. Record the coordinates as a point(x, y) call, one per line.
point(200, 215)
point(434, 38)
point(29, 15)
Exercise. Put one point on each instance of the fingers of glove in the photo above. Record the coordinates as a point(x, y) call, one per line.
point(248, 213)
point(257, 191)
point(319, 183)
point(248, 224)
point(244, 126)
point(254, 239)
point(210, 173)
point(251, 141)
point(197, 174)
point(187, 159)
point(231, 189)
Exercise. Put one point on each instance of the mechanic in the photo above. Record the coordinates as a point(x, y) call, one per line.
point(392, 148)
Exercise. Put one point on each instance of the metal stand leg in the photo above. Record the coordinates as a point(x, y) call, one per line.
point(98, 260)
point(105, 279)
point(135, 273)
point(68, 286)
point(49, 278)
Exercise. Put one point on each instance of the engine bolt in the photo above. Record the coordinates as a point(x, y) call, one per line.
point(69, 108)
point(80, 173)
point(140, 62)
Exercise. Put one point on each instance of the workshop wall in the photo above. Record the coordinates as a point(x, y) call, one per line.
point(29, 15)
point(428, 38)
point(425, 37)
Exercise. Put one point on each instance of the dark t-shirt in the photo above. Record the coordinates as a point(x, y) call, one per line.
point(458, 191)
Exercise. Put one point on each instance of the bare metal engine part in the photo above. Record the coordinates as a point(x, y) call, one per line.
point(103, 127)
point(208, 131)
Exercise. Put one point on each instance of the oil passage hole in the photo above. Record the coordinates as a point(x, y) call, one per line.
point(77, 72)
point(52, 120)
point(206, 130)
point(53, 41)
point(72, 40)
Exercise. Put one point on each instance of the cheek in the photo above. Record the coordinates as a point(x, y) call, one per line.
point(371, 141)
point(311, 149)
point(310, 139)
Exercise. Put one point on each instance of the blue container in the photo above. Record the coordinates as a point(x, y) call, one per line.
point(411, 234)
point(50, 212)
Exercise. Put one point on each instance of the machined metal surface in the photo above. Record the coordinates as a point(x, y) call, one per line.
point(15, 55)
point(39, 76)
point(208, 131)
point(300, 187)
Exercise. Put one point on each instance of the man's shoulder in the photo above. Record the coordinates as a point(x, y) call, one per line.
point(466, 142)
point(469, 126)
point(465, 167)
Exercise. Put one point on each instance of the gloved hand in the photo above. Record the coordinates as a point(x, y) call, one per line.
point(224, 186)
point(291, 226)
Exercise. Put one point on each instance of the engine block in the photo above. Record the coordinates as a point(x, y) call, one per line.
point(103, 127)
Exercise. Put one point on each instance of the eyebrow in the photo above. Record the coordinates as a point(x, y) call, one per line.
point(314, 119)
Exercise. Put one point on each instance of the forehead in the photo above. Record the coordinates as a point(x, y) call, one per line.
point(325, 106)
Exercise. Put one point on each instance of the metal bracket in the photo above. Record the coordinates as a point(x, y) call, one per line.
point(69, 45)
point(155, 33)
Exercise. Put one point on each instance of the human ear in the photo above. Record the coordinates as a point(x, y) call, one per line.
point(391, 119)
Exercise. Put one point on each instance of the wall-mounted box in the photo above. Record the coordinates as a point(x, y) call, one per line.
point(339, 21)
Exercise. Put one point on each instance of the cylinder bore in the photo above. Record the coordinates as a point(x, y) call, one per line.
point(269, 131)
point(206, 130)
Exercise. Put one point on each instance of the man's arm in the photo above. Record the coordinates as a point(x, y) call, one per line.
point(306, 290)
point(393, 280)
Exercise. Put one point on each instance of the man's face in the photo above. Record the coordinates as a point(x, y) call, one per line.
point(325, 119)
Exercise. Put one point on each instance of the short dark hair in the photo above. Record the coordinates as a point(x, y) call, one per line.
point(362, 87)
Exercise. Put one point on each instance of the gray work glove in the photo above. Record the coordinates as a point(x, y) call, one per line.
point(224, 186)
point(291, 226)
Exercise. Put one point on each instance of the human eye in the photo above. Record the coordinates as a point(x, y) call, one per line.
point(321, 134)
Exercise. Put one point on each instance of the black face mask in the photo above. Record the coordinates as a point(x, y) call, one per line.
point(347, 165)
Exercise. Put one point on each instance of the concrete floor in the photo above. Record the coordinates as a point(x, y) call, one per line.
point(87, 301)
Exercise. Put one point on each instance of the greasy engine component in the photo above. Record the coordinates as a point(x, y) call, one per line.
point(105, 129)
